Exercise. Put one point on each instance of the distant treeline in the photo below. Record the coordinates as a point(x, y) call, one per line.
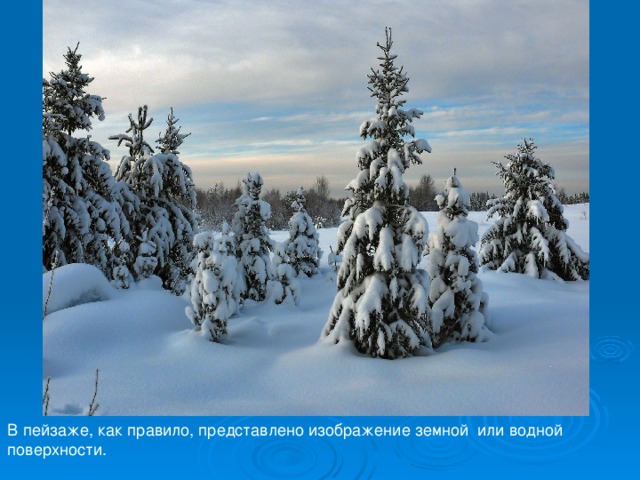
point(478, 200)
point(565, 199)
point(216, 204)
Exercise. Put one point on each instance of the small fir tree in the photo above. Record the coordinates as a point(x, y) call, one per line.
point(456, 296)
point(81, 217)
point(122, 277)
point(529, 236)
point(301, 249)
point(213, 291)
point(160, 197)
point(334, 259)
point(253, 245)
point(381, 304)
point(284, 288)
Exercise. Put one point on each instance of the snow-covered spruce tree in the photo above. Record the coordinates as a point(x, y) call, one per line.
point(284, 288)
point(456, 296)
point(381, 304)
point(81, 218)
point(334, 259)
point(529, 235)
point(301, 248)
point(253, 245)
point(165, 198)
point(213, 291)
point(172, 139)
point(179, 196)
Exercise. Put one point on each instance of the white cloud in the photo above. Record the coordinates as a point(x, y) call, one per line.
point(186, 52)
point(257, 81)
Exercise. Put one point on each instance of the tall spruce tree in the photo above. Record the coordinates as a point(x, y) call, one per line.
point(81, 217)
point(381, 304)
point(165, 199)
point(529, 236)
point(253, 245)
point(456, 297)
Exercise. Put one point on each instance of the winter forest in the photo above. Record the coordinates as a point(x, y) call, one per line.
point(164, 298)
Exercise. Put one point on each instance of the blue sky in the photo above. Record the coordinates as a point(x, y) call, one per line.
point(281, 87)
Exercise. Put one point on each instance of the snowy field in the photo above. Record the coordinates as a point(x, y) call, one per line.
point(152, 362)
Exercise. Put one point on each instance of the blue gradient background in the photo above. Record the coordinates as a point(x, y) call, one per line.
point(604, 443)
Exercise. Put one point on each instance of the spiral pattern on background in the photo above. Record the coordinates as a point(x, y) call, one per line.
point(284, 457)
point(611, 349)
point(434, 452)
point(287, 458)
point(576, 433)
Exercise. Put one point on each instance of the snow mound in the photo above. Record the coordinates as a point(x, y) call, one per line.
point(72, 285)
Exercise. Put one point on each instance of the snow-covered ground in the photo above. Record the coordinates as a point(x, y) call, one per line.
point(152, 362)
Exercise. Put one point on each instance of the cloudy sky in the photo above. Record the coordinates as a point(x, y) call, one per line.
point(280, 87)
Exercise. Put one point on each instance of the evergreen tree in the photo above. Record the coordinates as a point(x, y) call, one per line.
point(164, 198)
point(179, 198)
point(334, 259)
point(456, 297)
point(301, 249)
point(172, 138)
point(253, 245)
point(213, 291)
point(381, 304)
point(529, 235)
point(81, 217)
point(284, 288)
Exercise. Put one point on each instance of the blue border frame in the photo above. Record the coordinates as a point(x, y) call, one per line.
point(605, 442)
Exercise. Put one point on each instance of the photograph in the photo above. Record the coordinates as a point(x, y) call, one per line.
point(255, 221)
point(319, 239)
